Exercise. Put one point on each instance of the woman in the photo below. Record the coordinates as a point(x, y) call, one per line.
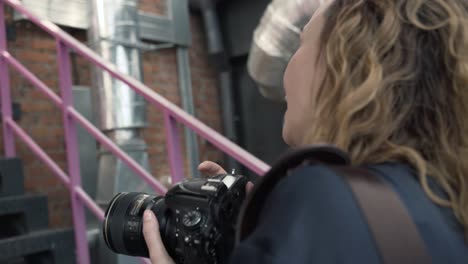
point(386, 81)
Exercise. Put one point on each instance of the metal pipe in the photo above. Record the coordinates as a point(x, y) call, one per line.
point(176, 161)
point(79, 192)
point(89, 202)
point(218, 54)
point(121, 111)
point(32, 78)
point(214, 39)
point(117, 151)
point(73, 160)
point(275, 41)
point(185, 86)
point(46, 159)
point(119, 106)
point(8, 137)
point(225, 84)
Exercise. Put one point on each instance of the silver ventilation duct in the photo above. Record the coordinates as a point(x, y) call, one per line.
point(275, 41)
point(113, 33)
point(115, 23)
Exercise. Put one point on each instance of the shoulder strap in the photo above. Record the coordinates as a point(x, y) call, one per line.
point(395, 234)
point(250, 211)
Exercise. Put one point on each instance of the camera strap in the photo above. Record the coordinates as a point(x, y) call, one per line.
point(394, 232)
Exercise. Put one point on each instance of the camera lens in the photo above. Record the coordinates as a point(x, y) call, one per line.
point(123, 223)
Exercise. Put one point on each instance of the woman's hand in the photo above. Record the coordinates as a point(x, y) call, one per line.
point(157, 251)
point(211, 169)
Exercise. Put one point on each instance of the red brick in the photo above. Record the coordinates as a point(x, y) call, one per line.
point(153, 6)
point(43, 44)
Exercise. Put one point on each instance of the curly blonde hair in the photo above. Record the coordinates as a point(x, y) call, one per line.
point(396, 82)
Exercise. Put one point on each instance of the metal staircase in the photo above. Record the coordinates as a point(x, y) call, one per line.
point(25, 236)
point(35, 243)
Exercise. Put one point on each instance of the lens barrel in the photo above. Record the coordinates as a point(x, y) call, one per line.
point(123, 223)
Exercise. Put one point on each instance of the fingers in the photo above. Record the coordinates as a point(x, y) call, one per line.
point(248, 187)
point(158, 253)
point(210, 168)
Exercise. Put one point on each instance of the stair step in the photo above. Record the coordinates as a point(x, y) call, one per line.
point(22, 214)
point(16, 261)
point(11, 177)
point(49, 246)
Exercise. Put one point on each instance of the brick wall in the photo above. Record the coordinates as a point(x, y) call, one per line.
point(43, 121)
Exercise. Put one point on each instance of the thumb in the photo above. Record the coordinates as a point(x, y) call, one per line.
point(156, 249)
point(210, 168)
point(248, 187)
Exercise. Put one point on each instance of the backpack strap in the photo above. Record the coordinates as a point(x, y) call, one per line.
point(395, 234)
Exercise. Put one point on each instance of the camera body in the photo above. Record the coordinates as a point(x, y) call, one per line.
point(197, 219)
point(205, 214)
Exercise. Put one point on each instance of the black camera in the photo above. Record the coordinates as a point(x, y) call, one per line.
point(197, 219)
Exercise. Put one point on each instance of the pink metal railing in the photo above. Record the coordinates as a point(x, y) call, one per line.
point(72, 180)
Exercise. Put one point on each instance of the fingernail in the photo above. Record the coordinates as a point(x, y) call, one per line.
point(147, 215)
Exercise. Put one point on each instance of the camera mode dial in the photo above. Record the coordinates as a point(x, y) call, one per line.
point(191, 218)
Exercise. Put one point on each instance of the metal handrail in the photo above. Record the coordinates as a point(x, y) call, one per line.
point(71, 117)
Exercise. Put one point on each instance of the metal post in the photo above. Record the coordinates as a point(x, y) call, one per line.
point(8, 136)
point(185, 84)
point(73, 161)
point(173, 148)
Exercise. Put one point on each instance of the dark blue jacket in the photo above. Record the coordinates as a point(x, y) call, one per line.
point(312, 217)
